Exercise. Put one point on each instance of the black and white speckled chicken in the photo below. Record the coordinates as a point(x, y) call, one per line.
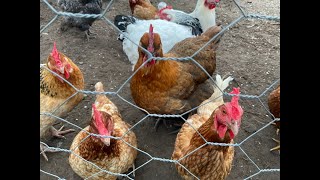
point(83, 7)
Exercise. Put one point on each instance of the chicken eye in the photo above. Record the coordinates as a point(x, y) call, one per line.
point(224, 111)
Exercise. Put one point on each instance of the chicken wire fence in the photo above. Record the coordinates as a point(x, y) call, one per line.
point(244, 15)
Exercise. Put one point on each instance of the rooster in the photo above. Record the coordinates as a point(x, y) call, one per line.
point(274, 107)
point(173, 87)
point(217, 122)
point(171, 33)
point(109, 154)
point(83, 7)
point(143, 9)
point(55, 93)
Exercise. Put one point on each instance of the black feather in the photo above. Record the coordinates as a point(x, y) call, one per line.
point(194, 23)
point(122, 21)
point(83, 7)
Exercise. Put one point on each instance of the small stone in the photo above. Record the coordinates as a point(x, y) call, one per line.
point(80, 63)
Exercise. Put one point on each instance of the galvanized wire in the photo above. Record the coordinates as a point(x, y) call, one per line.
point(244, 15)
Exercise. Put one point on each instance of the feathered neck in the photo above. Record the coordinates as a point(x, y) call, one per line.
point(164, 72)
point(93, 148)
point(210, 135)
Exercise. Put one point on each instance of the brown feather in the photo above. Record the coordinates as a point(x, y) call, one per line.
point(118, 157)
point(274, 102)
point(143, 9)
point(208, 162)
point(173, 87)
point(53, 93)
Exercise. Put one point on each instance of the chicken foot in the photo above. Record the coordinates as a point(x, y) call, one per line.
point(158, 122)
point(89, 34)
point(44, 149)
point(55, 133)
point(132, 175)
point(59, 133)
point(277, 147)
point(175, 124)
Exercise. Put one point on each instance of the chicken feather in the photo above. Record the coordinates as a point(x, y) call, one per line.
point(208, 162)
point(118, 157)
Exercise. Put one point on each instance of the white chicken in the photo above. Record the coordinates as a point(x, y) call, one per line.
point(171, 33)
point(173, 27)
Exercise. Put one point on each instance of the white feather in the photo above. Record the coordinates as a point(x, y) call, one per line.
point(206, 16)
point(170, 34)
point(216, 99)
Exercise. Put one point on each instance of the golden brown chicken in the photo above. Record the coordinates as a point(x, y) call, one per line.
point(143, 9)
point(55, 93)
point(173, 87)
point(217, 122)
point(274, 107)
point(107, 153)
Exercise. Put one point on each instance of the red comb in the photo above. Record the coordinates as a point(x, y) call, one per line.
point(98, 121)
point(151, 36)
point(235, 99)
point(237, 110)
point(96, 114)
point(55, 55)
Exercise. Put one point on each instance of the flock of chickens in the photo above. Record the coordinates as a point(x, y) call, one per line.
point(158, 86)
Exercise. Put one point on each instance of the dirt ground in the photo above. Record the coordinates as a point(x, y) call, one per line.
point(249, 52)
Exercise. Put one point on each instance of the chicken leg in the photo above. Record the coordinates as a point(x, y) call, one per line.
point(44, 149)
point(158, 122)
point(59, 133)
point(277, 124)
point(277, 147)
point(55, 133)
point(89, 34)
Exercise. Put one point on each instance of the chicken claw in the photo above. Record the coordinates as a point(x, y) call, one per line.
point(175, 124)
point(89, 34)
point(44, 149)
point(59, 133)
point(158, 122)
point(277, 147)
point(174, 132)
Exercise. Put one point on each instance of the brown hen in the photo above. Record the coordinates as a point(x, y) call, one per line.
point(173, 87)
point(169, 87)
point(217, 122)
point(143, 9)
point(107, 153)
point(55, 93)
point(274, 107)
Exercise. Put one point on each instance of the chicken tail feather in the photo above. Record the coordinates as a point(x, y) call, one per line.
point(99, 87)
point(211, 32)
point(220, 86)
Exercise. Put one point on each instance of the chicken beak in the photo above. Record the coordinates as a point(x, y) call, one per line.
point(234, 128)
point(106, 141)
point(61, 69)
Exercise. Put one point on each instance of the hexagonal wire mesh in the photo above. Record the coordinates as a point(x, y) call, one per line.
point(244, 15)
